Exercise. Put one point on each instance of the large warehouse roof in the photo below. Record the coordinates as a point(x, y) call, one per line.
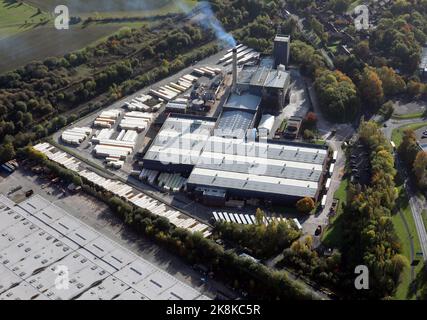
point(37, 237)
point(180, 140)
point(279, 151)
point(288, 169)
point(252, 182)
point(260, 165)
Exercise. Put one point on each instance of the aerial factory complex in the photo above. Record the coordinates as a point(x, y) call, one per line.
point(213, 150)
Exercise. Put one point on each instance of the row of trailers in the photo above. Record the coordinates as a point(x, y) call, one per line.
point(329, 180)
point(10, 166)
point(242, 218)
point(172, 90)
point(244, 55)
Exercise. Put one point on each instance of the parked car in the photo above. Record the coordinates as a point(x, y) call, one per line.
point(318, 231)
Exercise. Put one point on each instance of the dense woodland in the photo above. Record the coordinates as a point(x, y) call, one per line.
point(274, 237)
point(370, 238)
point(414, 159)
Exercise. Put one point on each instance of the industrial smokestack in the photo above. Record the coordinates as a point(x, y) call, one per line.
point(234, 67)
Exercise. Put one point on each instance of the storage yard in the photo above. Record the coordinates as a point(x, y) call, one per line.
point(38, 235)
point(124, 191)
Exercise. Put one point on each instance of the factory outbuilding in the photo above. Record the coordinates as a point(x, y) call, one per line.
point(269, 83)
point(240, 169)
point(178, 144)
point(238, 115)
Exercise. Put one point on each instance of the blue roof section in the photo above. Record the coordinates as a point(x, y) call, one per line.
point(244, 101)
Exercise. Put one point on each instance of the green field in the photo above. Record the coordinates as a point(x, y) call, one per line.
point(413, 115)
point(121, 7)
point(19, 17)
point(334, 233)
point(406, 237)
point(36, 42)
point(397, 133)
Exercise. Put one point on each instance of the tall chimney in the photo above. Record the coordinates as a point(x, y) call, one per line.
point(234, 68)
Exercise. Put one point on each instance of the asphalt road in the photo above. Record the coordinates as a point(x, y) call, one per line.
point(417, 205)
point(343, 132)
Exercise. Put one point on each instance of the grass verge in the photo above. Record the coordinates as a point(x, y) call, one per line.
point(334, 233)
point(397, 134)
point(407, 234)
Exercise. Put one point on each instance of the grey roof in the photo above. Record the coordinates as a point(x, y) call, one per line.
point(273, 170)
point(264, 75)
point(176, 105)
point(260, 76)
point(180, 140)
point(234, 123)
point(282, 38)
point(244, 101)
point(259, 166)
point(277, 79)
point(232, 180)
point(287, 152)
point(35, 237)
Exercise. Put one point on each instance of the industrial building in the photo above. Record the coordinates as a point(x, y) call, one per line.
point(266, 123)
point(281, 50)
point(263, 80)
point(239, 114)
point(253, 85)
point(225, 158)
point(293, 128)
point(178, 144)
point(38, 240)
point(278, 172)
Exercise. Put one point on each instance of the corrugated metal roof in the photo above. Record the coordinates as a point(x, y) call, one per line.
point(259, 166)
point(244, 181)
point(234, 123)
point(180, 140)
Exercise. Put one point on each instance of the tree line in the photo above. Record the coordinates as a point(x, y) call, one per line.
point(369, 236)
point(414, 158)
